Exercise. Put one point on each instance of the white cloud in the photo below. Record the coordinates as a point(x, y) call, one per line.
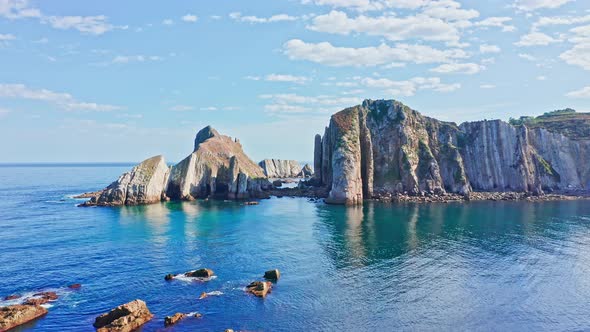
point(366, 5)
point(327, 54)
point(485, 48)
point(135, 58)
point(63, 100)
point(531, 5)
point(536, 39)
point(237, 16)
point(449, 10)
point(167, 22)
point(458, 68)
point(411, 86)
point(190, 18)
point(487, 86)
point(579, 55)
point(285, 108)
point(391, 27)
point(560, 20)
point(527, 57)
point(498, 22)
point(541, 78)
point(16, 9)
point(210, 108)
point(181, 108)
point(280, 78)
point(95, 25)
point(6, 37)
point(582, 93)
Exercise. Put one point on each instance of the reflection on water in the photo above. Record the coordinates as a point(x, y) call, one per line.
point(492, 266)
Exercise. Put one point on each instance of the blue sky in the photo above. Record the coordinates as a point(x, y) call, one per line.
point(125, 80)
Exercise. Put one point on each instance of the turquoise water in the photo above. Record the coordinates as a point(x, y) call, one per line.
point(486, 266)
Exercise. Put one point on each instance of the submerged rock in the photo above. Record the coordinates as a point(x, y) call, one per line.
point(75, 286)
point(201, 273)
point(272, 274)
point(41, 298)
point(12, 297)
point(15, 315)
point(169, 277)
point(252, 203)
point(124, 318)
point(259, 288)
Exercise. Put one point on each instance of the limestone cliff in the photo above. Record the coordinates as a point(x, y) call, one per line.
point(277, 168)
point(384, 147)
point(218, 167)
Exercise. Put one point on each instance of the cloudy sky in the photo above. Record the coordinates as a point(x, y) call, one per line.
point(124, 80)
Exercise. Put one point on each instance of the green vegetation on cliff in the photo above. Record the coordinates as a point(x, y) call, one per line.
point(566, 122)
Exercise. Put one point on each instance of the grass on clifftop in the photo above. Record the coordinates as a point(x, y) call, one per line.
point(566, 122)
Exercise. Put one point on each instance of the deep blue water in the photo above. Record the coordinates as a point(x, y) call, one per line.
point(486, 266)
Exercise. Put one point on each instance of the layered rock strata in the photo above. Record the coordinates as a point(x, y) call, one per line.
point(277, 168)
point(217, 167)
point(383, 147)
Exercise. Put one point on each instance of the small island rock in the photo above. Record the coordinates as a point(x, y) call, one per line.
point(15, 315)
point(171, 320)
point(201, 273)
point(272, 274)
point(259, 288)
point(124, 318)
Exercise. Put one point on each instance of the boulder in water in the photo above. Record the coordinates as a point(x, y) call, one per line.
point(259, 288)
point(15, 315)
point(126, 317)
point(12, 297)
point(201, 273)
point(272, 274)
point(171, 320)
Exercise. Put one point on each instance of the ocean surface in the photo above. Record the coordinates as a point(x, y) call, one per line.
point(480, 266)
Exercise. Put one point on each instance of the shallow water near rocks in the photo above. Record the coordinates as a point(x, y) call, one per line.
point(463, 266)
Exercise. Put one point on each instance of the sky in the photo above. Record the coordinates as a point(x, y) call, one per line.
point(121, 81)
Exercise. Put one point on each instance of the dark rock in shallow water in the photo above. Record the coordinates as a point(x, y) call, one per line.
point(171, 320)
point(12, 297)
point(277, 183)
point(124, 318)
point(75, 286)
point(41, 298)
point(251, 203)
point(201, 273)
point(272, 274)
point(15, 315)
point(259, 288)
point(169, 277)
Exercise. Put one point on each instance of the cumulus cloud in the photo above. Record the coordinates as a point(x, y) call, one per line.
point(294, 103)
point(19, 9)
point(121, 59)
point(327, 54)
point(582, 93)
point(498, 22)
point(487, 86)
point(458, 68)
point(579, 55)
point(280, 78)
point(409, 87)
point(190, 18)
point(531, 5)
point(391, 27)
point(535, 38)
point(485, 48)
point(6, 37)
point(237, 16)
point(367, 5)
point(62, 100)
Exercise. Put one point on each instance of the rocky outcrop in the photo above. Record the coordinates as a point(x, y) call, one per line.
point(146, 183)
point(277, 168)
point(306, 172)
point(259, 288)
point(15, 315)
point(124, 318)
point(383, 148)
point(217, 167)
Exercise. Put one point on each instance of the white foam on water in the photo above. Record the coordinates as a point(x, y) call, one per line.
point(215, 293)
point(183, 277)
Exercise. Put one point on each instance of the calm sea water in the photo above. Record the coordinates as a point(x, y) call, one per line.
point(486, 266)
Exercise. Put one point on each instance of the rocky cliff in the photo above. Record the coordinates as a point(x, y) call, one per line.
point(218, 167)
point(383, 147)
point(277, 168)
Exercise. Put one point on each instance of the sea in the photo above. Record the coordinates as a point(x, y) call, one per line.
point(476, 266)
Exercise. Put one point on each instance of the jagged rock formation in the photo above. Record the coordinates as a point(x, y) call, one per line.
point(277, 168)
point(306, 171)
point(144, 184)
point(217, 167)
point(126, 317)
point(384, 147)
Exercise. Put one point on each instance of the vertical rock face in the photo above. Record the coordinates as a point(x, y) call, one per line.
point(218, 167)
point(384, 147)
point(277, 168)
point(317, 157)
point(144, 184)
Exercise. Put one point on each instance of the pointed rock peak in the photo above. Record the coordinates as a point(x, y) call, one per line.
point(205, 134)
